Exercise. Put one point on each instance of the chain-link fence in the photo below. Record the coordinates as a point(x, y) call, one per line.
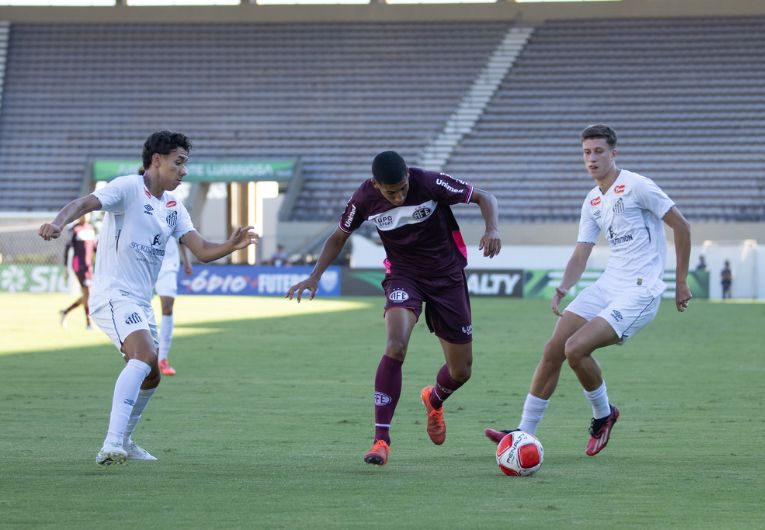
point(20, 244)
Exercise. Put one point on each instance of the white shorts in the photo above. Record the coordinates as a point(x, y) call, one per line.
point(627, 312)
point(121, 316)
point(167, 283)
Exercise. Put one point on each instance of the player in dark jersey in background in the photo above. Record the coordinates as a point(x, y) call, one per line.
point(82, 239)
point(425, 261)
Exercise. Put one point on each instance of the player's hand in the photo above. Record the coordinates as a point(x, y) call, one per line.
point(682, 296)
point(49, 231)
point(243, 237)
point(188, 270)
point(309, 284)
point(490, 244)
point(559, 295)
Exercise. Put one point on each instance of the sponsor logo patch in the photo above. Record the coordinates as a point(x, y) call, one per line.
point(619, 189)
point(595, 201)
point(448, 187)
point(170, 204)
point(467, 330)
point(351, 215)
point(147, 209)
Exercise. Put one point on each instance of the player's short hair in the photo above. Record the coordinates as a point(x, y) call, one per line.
point(600, 131)
point(163, 142)
point(389, 168)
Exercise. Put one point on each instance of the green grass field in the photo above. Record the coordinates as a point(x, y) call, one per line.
point(267, 420)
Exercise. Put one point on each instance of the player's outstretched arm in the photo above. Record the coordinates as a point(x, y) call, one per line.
point(206, 251)
point(681, 229)
point(185, 258)
point(74, 210)
point(574, 269)
point(490, 242)
point(329, 252)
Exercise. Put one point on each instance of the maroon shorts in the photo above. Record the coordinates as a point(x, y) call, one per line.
point(447, 303)
point(84, 273)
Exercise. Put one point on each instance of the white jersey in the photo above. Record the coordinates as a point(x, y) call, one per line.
point(132, 242)
point(171, 261)
point(630, 216)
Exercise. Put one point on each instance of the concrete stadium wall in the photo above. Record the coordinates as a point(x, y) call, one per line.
point(380, 12)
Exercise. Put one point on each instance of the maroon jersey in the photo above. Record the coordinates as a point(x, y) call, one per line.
point(83, 241)
point(421, 237)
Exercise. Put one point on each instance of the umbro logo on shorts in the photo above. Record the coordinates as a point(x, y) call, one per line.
point(134, 318)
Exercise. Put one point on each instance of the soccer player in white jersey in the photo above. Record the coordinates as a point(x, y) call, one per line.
point(141, 216)
point(167, 290)
point(629, 209)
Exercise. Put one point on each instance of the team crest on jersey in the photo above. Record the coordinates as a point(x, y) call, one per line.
point(398, 296)
point(595, 201)
point(619, 206)
point(421, 213)
point(172, 218)
point(619, 189)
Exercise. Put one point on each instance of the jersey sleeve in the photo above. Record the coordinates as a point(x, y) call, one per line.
point(352, 217)
point(450, 190)
point(113, 195)
point(184, 225)
point(652, 197)
point(588, 227)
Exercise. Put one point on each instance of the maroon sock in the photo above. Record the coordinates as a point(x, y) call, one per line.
point(444, 388)
point(387, 392)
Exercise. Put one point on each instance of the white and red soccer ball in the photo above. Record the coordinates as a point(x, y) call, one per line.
point(520, 454)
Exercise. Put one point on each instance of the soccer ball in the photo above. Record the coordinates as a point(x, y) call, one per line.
point(520, 454)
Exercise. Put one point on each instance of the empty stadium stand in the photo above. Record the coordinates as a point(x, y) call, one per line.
point(331, 94)
point(684, 95)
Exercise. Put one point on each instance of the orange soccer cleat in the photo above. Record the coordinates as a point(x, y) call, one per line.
point(378, 454)
point(436, 424)
point(165, 368)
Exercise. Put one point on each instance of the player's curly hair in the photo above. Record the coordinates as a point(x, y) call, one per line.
point(389, 168)
point(163, 142)
point(600, 130)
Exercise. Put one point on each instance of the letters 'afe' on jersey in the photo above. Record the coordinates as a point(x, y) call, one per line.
point(421, 237)
point(132, 241)
point(630, 216)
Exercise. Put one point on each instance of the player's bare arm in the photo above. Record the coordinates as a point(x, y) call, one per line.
point(74, 210)
point(682, 235)
point(206, 251)
point(185, 258)
point(490, 242)
point(329, 252)
point(574, 269)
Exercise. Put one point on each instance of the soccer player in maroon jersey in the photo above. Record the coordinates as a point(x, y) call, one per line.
point(425, 261)
point(82, 238)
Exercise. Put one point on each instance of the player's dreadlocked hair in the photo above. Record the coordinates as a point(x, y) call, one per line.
point(163, 142)
point(389, 168)
point(600, 131)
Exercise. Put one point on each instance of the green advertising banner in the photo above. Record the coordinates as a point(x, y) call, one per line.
point(33, 279)
point(541, 283)
point(213, 171)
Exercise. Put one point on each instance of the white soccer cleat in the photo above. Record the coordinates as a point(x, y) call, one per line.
point(110, 454)
point(136, 452)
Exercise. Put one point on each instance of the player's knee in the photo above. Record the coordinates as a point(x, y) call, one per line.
point(553, 354)
point(575, 351)
point(461, 374)
point(396, 349)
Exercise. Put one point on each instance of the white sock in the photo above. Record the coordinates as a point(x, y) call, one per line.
point(533, 410)
point(165, 336)
point(598, 398)
point(135, 415)
point(125, 395)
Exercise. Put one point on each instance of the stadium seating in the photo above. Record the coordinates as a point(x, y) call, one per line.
point(331, 94)
point(683, 94)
